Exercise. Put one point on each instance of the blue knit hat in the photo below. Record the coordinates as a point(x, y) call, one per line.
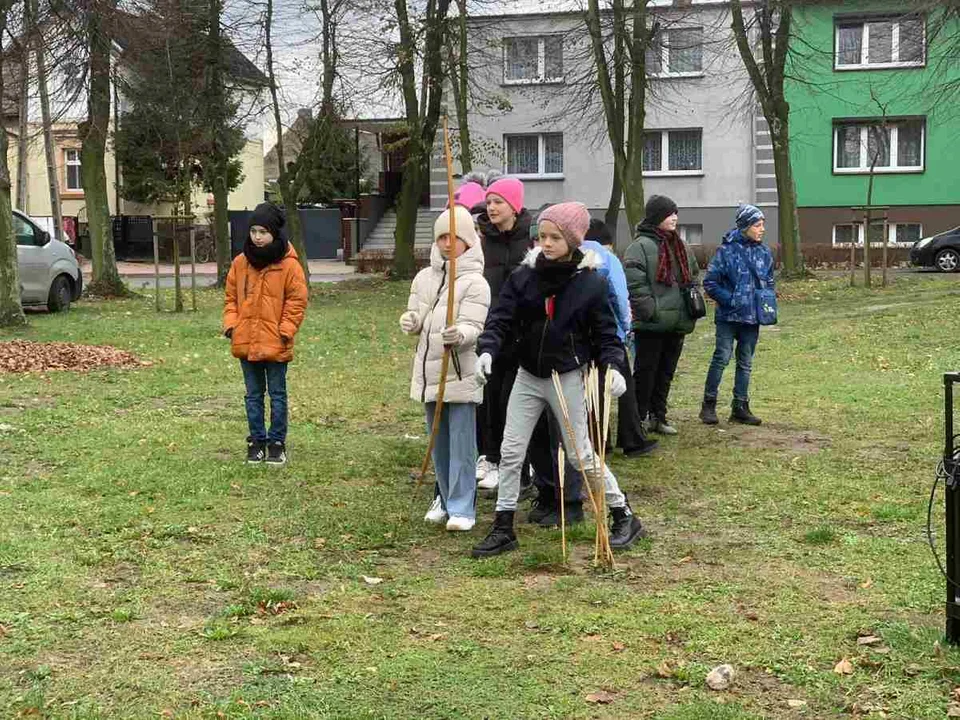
point(748, 215)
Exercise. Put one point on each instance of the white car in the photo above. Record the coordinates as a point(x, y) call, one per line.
point(49, 272)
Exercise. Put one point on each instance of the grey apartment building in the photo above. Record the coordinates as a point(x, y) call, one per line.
point(535, 116)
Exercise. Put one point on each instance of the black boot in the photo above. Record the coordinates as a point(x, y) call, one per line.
point(741, 413)
point(572, 512)
point(544, 504)
point(626, 528)
point(708, 411)
point(645, 447)
point(501, 537)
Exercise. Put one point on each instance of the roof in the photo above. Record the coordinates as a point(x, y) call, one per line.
point(238, 66)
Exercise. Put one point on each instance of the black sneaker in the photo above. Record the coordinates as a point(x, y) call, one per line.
point(572, 511)
point(256, 451)
point(545, 503)
point(644, 448)
point(626, 528)
point(276, 453)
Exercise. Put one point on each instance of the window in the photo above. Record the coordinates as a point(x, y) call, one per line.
point(676, 152)
point(880, 42)
point(898, 147)
point(23, 231)
point(691, 234)
point(533, 59)
point(904, 234)
point(677, 52)
point(534, 155)
point(72, 166)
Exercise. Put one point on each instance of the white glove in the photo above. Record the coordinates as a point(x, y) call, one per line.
point(409, 321)
point(452, 336)
point(618, 386)
point(484, 368)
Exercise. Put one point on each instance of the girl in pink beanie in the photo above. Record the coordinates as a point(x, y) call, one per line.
point(554, 313)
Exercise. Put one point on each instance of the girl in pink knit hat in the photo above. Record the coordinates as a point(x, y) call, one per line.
point(554, 309)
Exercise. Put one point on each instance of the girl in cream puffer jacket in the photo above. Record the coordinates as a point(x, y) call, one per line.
point(455, 452)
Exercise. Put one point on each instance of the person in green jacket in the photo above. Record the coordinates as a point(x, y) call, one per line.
point(658, 264)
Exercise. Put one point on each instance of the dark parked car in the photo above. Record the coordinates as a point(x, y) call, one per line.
point(941, 252)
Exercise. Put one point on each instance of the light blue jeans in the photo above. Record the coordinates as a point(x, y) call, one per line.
point(455, 456)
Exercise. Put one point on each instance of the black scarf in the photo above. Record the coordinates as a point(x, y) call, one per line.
point(260, 257)
point(552, 275)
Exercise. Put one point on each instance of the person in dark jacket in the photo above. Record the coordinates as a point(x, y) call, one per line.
point(505, 230)
point(556, 307)
point(742, 260)
point(658, 265)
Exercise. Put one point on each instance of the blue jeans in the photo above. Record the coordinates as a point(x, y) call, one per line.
point(455, 456)
point(746, 337)
point(261, 377)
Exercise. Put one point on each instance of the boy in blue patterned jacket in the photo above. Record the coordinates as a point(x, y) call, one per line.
point(742, 260)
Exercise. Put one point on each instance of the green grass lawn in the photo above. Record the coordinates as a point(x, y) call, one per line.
point(145, 571)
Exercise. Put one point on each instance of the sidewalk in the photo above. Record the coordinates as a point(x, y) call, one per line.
point(144, 270)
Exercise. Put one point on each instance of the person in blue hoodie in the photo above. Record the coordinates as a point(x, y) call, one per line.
point(631, 433)
point(741, 262)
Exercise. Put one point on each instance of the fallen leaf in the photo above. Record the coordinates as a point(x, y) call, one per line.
point(438, 636)
point(685, 559)
point(843, 667)
point(721, 677)
point(953, 709)
point(868, 640)
point(319, 543)
point(912, 670)
point(619, 647)
point(866, 584)
point(664, 670)
point(601, 697)
point(795, 704)
point(372, 580)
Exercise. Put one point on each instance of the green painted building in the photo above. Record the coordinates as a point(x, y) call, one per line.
point(870, 89)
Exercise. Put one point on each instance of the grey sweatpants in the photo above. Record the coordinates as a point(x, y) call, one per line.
point(527, 400)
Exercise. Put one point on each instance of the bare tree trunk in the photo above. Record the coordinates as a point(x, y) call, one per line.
point(288, 193)
point(767, 78)
point(218, 157)
point(93, 134)
point(422, 117)
point(11, 311)
point(329, 53)
point(612, 217)
point(23, 160)
point(49, 149)
point(459, 81)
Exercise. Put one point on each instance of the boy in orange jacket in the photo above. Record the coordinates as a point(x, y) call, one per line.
point(265, 301)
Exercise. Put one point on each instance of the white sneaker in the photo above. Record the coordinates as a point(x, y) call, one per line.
point(436, 515)
point(491, 480)
point(460, 524)
point(483, 467)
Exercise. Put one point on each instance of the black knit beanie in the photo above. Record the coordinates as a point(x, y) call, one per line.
point(269, 216)
point(659, 208)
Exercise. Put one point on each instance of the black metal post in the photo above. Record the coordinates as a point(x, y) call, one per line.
point(952, 503)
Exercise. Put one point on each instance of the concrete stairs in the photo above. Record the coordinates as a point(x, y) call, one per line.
point(381, 240)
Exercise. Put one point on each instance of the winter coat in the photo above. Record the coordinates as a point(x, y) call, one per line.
point(264, 308)
point(428, 299)
point(503, 251)
point(730, 281)
point(583, 327)
point(657, 308)
point(617, 293)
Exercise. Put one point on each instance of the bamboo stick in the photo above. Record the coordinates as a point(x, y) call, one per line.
point(561, 464)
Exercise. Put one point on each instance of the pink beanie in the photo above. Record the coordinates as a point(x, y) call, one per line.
point(572, 218)
point(469, 194)
point(511, 190)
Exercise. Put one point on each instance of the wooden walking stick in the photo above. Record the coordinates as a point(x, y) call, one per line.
point(451, 282)
point(561, 460)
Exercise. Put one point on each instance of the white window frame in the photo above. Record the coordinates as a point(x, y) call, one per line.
point(891, 234)
point(682, 229)
point(541, 174)
point(865, 45)
point(665, 56)
point(665, 155)
point(68, 163)
point(893, 167)
point(541, 78)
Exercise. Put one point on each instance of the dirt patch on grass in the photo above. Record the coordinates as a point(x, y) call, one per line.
point(777, 437)
point(20, 356)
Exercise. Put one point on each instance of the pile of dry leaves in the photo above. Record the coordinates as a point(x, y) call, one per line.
point(24, 356)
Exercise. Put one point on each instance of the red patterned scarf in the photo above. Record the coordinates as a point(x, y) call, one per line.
point(671, 247)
